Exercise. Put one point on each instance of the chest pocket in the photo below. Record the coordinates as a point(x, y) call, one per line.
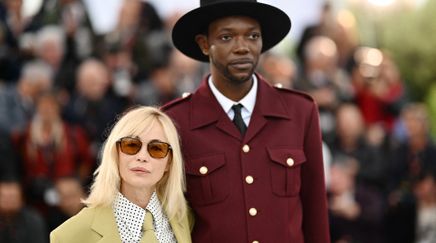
point(207, 179)
point(286, 170)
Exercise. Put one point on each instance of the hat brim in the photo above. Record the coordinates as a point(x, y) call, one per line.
point(274, 23)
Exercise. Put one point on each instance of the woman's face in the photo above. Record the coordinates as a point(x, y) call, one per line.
point(141, 172)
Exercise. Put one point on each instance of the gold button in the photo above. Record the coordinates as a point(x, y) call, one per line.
point(246, 148)
point(249, 179)
point(290, 161)
point(278, 85)
point(203, 170)
point(252, 211)
point(255, 241)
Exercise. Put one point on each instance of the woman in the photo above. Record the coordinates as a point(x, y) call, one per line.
point(138, 186)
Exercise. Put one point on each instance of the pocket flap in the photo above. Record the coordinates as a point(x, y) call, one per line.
point(204, 165)
point(287, 157)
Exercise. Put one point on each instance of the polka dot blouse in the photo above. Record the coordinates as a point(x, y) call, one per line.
point(130, 218)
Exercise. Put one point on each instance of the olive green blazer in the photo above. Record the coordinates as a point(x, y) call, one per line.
point(98, 224)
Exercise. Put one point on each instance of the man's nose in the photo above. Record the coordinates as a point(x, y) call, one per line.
point(241, 45)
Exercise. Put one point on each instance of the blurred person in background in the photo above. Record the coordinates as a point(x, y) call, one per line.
point(278, 69)
point(18, 223)
point(17, 101)
point(324, 80)
point(174, 75)
point(70, 193)
point(351, 139)
point(188, 71)
point(50, 47)
point(72, 17)
point(380, 92)
point(340, 27)
point(417, 153)
point(51, 149)
point(160, 88)
point(93, 106)
point(409, 161)
point(325, 26)
point(120, 65)
point(15, 28)
point(355, 211)
point(137, 194)
point(9, 165)
point(138, 31)
point(425, 193)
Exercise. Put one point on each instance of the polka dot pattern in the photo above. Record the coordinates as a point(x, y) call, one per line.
point(163, 230)
point(130, 218)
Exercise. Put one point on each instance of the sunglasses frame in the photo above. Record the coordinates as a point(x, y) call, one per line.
point(119, 141)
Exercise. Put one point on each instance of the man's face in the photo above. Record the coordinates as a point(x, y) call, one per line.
point(234, 45)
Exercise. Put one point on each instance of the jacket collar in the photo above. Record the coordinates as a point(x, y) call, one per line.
point(105, 225)
point(206, 110)
point(180, 231)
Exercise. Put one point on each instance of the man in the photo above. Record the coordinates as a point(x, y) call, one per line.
point(259, 178)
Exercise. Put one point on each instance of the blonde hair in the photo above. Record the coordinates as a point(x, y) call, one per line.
point(107, 179)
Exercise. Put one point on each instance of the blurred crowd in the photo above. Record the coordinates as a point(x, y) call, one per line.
point(62, 86)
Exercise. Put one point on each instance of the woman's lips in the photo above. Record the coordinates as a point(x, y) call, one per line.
point(139, 170)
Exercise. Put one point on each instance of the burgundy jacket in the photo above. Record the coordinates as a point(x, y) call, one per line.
point(267, 186)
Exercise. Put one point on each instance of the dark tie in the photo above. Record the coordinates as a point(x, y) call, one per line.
point(239, 122)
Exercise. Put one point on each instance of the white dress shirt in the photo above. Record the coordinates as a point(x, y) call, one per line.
point(248, 101)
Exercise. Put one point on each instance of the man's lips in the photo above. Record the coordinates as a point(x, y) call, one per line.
point(242, 64)
point(139, 170)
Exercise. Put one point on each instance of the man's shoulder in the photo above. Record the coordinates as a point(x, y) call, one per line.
point(292, 93)
point(177, 103)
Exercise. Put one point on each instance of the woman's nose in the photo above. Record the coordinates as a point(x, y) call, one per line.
point(142, 155)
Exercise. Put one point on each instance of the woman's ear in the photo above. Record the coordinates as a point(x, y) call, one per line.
point(202, 43)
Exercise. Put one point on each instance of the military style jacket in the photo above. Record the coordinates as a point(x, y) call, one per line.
point(266, 186)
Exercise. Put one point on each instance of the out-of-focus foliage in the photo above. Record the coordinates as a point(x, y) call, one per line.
point(410, 37)
point(409, 34)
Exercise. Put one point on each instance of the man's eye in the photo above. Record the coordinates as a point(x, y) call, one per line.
point(254, 36)
point(226, 37)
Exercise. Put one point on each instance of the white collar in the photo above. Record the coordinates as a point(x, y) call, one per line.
point(248, 101)
point(130, 218)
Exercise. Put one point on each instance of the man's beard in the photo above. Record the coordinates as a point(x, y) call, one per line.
point(225, 71)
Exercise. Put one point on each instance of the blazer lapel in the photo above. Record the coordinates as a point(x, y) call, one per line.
point(181, 231)
point(268, 104)
point(206, 110)
point(105, 225)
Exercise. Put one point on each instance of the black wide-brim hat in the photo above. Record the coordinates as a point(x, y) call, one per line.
point(274, 23)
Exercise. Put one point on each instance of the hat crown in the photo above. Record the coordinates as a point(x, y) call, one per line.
point(209, 2)
point(274, 23)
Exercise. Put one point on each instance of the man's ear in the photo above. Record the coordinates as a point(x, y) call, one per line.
point(202, 43)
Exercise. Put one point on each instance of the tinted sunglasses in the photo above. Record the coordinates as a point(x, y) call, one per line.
point(155, 148)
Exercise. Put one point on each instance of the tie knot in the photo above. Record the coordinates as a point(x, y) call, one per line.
point(148, 221)
point(237, 108)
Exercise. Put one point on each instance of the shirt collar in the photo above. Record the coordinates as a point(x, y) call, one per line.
point(155, 208)
point(129, 216)
point(248, 101)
